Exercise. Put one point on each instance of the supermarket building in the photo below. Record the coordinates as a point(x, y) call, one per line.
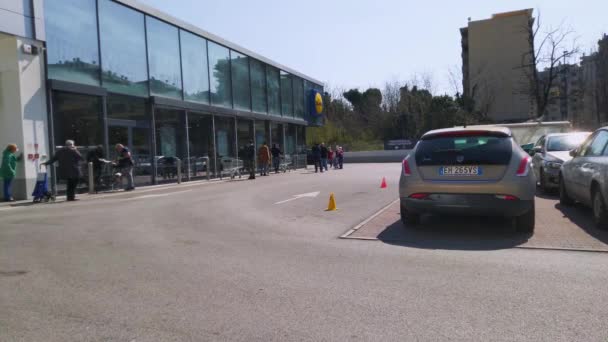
point(102, 72)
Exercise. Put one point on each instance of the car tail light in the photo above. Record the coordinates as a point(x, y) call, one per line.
point(419, 196)
point(406, 168)
point(523, 168)
point(507, 197)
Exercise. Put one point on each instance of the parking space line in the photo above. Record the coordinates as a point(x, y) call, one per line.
point(357, 227)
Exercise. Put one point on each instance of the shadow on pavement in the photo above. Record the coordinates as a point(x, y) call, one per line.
point(455, 233)
point(583, 218)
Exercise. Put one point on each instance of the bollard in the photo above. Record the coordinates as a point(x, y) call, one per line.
point(91, 178)
point(179, 171)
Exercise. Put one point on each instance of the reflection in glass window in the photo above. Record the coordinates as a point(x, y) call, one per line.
point(224, 137)
point(240, 81)
point(258, 86)
point(274, 88)
point(219, 69)
point(77, 117)
point(123, 49)
point(201, 145)
point(163, 59)
point(286, 94)
point(194, 64)
point(71, 33)
point(298, 97)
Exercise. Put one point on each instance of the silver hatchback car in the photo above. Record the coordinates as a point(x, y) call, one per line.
point(468, 171)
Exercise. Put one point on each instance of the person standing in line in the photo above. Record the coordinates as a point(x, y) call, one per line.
point(324, 155)
point(8, 170)
point(264, 159)
point(124, 162)
point(276, 157)
point(69, 160)
point(316, 157)
point(340, 158)
point(250, 159)
point(335, 162)
point(330, 156)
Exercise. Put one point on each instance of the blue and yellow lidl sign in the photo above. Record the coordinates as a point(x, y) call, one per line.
point(315, 103)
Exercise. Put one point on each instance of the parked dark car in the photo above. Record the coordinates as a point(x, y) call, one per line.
point(584, 178)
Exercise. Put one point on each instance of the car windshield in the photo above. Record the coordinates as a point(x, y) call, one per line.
point(565, 142)
point(482, 150)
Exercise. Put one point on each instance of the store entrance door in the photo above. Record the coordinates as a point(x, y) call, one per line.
point(136, 139)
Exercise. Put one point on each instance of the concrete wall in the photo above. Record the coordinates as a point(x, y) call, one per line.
point(23, 112)
point(392, 156)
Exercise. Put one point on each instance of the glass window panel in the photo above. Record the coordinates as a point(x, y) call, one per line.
point(71, 33)
point(301, 146)
point(194, 64)
point(244, 135)
point(240, 81)
point(298, 97)
point(123, 49)
point(202, 145)
point(261, 133)
point(77, 117)
point(225, 142)
point(276, 134)
point(273, 80)
point(219, 69)
point(127, 108)
point(258, 86)
point(163, 59)
point(290, 140)
point(170, 143)
point(286, 94)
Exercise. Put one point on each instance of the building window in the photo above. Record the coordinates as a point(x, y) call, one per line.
point(77, 117)
point(123, 49)
point(163, 59)
point(72, 45)
point(219, 70)
point(274, 90)
point(195, 67)
point(240, 81)
point(286, 94)
point(258, 86)
point(201, 145)
point(225, 143)
point(298, 97)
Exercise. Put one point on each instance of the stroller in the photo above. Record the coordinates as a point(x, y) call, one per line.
point(41, 191)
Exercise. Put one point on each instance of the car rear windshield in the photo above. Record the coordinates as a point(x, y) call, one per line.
point(565, 142)
point(464, 150)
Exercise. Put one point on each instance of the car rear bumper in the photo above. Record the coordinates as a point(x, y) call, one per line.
point(468, 204)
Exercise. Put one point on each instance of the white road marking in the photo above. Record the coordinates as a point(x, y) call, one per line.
point(295, 197)
point(346, 235)
point(155, 195)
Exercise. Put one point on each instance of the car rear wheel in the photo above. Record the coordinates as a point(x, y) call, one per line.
point(600, 215)
point(525, 223)
point(408, 218)
point(564, 198)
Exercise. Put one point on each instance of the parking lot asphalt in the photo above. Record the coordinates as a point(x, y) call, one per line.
point(261, 261)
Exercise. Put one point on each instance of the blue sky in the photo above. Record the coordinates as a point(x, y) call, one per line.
point(361, 43)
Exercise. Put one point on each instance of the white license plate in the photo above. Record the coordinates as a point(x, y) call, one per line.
point(467, 170)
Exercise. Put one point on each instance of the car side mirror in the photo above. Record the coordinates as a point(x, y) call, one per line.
point(574, 152)
point(537, 149)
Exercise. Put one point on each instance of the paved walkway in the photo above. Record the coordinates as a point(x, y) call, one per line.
point(556, 228)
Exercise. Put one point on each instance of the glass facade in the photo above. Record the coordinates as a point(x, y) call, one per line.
point(258, 86)
point(286, 94)
point(72, 48)
point(273, 86)
point(240, 81)
point(194, 65)
point(133, 56)
point(219, 71)
point(163, 59)
point(123, 48)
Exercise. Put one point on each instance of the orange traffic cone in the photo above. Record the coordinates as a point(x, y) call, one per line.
point(332, 203)
point(383, 185)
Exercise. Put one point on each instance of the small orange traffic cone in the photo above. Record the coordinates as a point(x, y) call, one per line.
point(332, 203)
point(383, 185)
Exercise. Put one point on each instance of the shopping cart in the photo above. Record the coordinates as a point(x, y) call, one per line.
point(41, 191)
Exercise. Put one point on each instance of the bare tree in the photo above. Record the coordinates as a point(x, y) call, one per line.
point(548, 49)
point(455, 79)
